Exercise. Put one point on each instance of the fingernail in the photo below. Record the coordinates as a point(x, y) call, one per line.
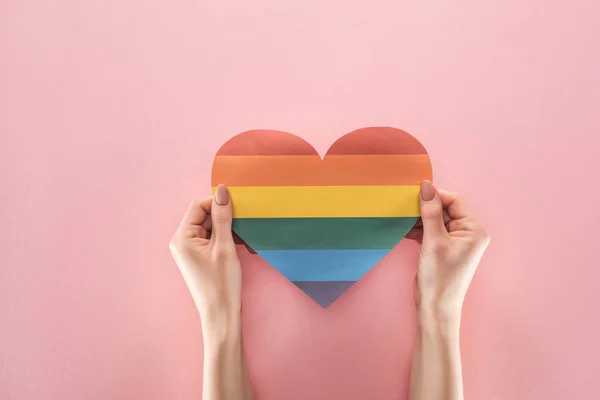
point(222, 195)
point(427, 191)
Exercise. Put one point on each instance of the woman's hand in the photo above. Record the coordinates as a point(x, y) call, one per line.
point(205, 252)
point(203, 247)
point(452, 243)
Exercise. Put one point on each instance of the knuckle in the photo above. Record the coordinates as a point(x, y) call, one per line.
point(221, 254)
point(472, 241)
point(174, 242)
point(195, 203)
point(431, 212)
point(172, 245)
point(483, 238)
point(456, 197)
point(436, 248)
point(439, 248)
point(220, 219)
point(450, 194)
point(452, 226)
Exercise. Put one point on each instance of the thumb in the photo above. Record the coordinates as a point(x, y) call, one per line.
point(432, 212)
point(222, 215)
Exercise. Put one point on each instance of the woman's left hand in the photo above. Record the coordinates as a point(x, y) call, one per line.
point(204, 249)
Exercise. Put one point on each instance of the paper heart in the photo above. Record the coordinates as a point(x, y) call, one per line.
point(323, 223)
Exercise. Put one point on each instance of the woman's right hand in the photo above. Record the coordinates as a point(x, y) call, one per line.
point(452, 244)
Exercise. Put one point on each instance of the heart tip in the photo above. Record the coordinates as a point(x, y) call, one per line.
point(324, 293)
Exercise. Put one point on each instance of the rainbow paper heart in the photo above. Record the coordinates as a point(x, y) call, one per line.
point(323, 223)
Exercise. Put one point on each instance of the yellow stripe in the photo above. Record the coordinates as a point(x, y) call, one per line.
point(324, 201)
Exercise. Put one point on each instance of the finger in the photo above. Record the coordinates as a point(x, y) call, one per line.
point(197, 212)
point(446, 217)
point(454, 204)
point(463, 224)
point(222, 216)
point(207, 224)
point(432, 213)
point(198, 231)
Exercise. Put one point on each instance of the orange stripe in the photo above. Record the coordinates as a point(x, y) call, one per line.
point(379, 140)
point(265, 142)
point(312, 171)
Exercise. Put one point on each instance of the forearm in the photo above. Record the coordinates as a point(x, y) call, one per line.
point(436, 369)
point(225, 375)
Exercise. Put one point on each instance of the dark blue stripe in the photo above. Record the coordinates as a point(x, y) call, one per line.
point(324, 293)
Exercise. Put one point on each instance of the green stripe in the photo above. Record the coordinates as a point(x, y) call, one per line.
point(322, 233)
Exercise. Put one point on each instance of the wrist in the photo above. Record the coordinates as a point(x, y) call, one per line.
point(221, 323)
point(439, 316)
point(439, 304)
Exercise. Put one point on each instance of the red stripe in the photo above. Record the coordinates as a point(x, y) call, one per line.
point(379, 140)
point(266, 143)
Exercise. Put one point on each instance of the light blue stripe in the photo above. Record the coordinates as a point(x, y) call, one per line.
point(323, 265)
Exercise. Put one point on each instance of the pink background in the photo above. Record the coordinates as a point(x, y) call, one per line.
point(111, 112)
